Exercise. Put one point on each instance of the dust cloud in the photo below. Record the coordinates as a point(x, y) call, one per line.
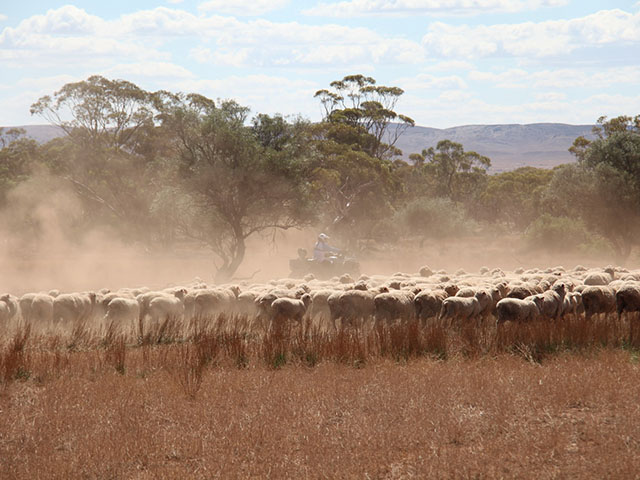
point(42, 249)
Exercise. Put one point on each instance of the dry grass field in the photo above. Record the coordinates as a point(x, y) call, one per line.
point(406, 403)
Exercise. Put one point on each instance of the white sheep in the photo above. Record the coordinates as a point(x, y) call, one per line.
point(166, 306)
point(73, 307)
point(572, 304)
point(428, 303)
point(600, 278)
point(628, 299)
point(320, 305)
point(121, 310)
point(598, 299)
point(8, 307)
point(516, 310)
point(551, 301)
point(211, 302)
point(36, 307)
point(283, 309)
point(394, 305)
point(144, 299)
point(353, 305)
point(460, 308)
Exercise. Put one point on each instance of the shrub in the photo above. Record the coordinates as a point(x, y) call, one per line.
point(434, 218)
point(559, 234)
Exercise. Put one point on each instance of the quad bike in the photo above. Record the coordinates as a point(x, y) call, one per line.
point(336, 265)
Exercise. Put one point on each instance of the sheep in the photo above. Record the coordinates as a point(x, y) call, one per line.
point(600, 278)
point(24, 303)
point(346, 278)
point(516, 310)
point(484, 296)
point(264, 300)
point(8, 307)
point(120, 310)
point(522, 291)
point(598, 299)
point(572, 304)
point(73, 307)
point(628, 299)
point(37, 307)
point(245, 303)
point(320, 305)
point(428, 303)
point(290, 309)
point(550, 302)
point(212, 302)
point(165, 306)
point(465, 292)
point(394, 284)
point(485, 299)
point(390, 306)
point(450, 288)
point(497, 293)
point(360, 285)
point(459, 308)
point(144, 299)
point(425, 271)
point(631, 277)
point(497, 272)
point(353, 305)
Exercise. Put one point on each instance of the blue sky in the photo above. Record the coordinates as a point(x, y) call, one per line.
point(460, 62)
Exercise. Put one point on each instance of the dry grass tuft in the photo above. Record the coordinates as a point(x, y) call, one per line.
point(14, 358)
point(116, 354)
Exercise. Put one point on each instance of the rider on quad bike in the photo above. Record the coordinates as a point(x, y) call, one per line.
point(323, 251)
point(327, 261)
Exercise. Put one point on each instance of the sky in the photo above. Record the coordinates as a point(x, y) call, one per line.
point(460, 62)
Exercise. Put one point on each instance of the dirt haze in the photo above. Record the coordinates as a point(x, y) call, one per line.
point(42, 248)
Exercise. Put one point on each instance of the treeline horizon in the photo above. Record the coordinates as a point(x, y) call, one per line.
point(165, 167)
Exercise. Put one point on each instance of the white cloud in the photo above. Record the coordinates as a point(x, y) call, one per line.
point(450, 65)
point(551, 97)
point(464, 108)
point(261, 42)
point(154, 70)
point(242, 7)
point(19, 96)
point(220, 56)
point(71, 36)
point(263, 93)
point(552, 37)
point(560, 78)
point(425, 81)
point(354, 8)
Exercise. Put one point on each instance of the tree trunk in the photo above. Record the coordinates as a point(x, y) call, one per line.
point(622, 250)
point(225, 273)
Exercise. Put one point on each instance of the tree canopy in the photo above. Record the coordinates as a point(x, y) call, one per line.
point(163, 168)
point(236, 180)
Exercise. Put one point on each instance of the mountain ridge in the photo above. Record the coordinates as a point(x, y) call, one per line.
point(509, 146)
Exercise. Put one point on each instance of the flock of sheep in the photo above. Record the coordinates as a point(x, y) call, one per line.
point(518, 296)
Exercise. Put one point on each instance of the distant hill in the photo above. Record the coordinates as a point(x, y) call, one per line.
point(543, 145)
point(509, 147)
point(42, 133)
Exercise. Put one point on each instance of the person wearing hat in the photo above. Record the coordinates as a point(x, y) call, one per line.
point(322, 250)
